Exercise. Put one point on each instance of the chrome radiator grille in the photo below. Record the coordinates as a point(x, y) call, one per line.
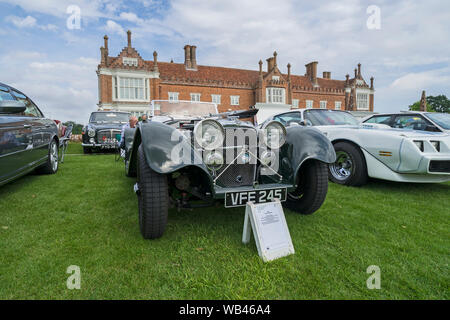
point(237, 174)
point(107, 136)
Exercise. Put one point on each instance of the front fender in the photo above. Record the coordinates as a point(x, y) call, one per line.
point(166, 148)
point(304, 143)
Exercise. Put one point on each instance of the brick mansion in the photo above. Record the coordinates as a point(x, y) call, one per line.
point(127, 82)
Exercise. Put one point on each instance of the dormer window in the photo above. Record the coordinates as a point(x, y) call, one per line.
point(132, 62)
point(275, 95)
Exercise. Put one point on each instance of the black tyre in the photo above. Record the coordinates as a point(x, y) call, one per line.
point(87, 150)
point(311, 189)
point(153, 199)
point(350, 168)
point(52, 163)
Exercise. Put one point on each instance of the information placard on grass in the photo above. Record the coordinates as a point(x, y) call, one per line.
point(270, 230)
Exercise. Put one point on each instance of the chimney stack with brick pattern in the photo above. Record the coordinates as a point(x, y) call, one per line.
point(193, 58)
point(327, 75)
point(187, 56)
point(129, 38)
point(311, 72)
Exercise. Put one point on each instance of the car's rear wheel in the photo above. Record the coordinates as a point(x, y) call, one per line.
point(153, 199)
point(350, 167)
point(312, 187)
point(52, 163)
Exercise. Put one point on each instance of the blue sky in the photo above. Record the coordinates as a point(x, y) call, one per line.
point(56, 65)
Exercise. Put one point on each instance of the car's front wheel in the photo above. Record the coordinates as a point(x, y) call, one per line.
point(51, 165)
point(312, 187)
point(350, 166)
point(153, 199)
point(87, 150)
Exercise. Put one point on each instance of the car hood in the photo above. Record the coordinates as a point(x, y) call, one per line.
point(389, 130)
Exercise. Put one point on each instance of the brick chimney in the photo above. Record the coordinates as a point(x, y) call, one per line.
point(187, 56)
point(311, 72)
point(270, 64)
point(359, 70)
point(155, 61)
point(371, 83)
point(289, 71)
point(193, 58)
point(129, 38)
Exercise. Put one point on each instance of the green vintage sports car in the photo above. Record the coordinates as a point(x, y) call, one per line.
point(189, 155)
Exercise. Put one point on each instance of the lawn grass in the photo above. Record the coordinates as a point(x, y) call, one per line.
point(86, 215)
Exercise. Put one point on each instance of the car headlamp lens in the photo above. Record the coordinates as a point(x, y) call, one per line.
point(209, 134)
point(214, 160)
point(274, 134)
point(91, 133)
point(267, 157)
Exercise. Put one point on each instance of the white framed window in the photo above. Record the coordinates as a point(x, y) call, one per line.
point(309, 104)
point(295, 103)
point(362, 101)
point(195, 97)
point(275, 95)
point(215, 98)
point(130, 89)
point(173, 96)
point(323, 104)
point(337, 105)
point(234, 100)
point(276, 78)
point(133, 62)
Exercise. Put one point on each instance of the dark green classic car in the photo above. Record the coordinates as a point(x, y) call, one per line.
point(28, 140)
point(189, 155)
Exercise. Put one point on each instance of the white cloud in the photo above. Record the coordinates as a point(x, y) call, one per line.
point(27, 22)
point(89, 8)
point(64, 90)
point(114, 27)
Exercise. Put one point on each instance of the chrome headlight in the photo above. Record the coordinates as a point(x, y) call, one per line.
point(214, 160)
point(267, 158)
point(91, 133)
point(274, 134)
point(209, 134)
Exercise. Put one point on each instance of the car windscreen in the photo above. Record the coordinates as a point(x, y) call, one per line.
point(4, 94)
point(442, 119)
point(109, 117)
point(329, 118)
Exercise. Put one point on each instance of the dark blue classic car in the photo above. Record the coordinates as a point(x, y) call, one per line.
point(28, 140)
point(103, 130)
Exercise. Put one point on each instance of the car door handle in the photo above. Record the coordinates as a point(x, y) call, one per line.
point(47, 126)
point(27, 126)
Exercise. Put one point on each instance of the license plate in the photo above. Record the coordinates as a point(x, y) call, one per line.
point(240, 198)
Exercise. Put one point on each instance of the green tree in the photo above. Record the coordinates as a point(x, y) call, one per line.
point(438, 103)
point(76, 127)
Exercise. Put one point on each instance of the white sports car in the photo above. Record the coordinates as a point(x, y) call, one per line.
point(376, 150)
